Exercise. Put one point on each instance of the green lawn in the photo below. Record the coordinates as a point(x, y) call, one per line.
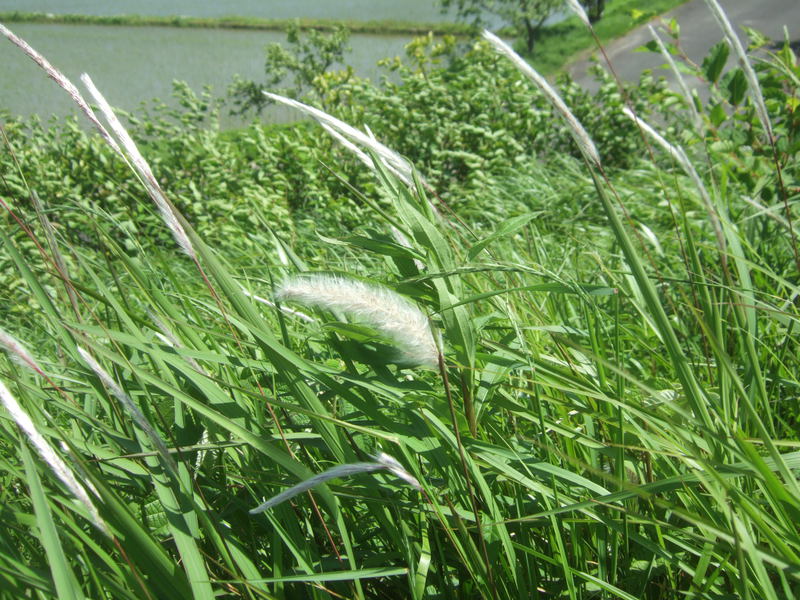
point(563, 42)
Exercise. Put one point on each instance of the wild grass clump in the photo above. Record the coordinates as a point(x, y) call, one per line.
point(613, 411)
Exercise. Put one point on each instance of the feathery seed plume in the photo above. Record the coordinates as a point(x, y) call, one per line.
point(379, 307)
point(49, 456)
point(582, 139)
point(676, 152)
point(62, 82)
point(392, 464)
point(284, 309)
point(133, 156)
point(18, 352)
point(578, 10)
point(382, 461)
point(360, 154)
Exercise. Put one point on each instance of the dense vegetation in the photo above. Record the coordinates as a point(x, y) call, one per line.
point(614, 411)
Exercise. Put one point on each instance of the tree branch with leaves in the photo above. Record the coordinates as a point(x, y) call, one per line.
point(293, 69)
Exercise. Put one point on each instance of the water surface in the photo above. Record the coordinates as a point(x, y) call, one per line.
point(362, 10)
point(133, 64)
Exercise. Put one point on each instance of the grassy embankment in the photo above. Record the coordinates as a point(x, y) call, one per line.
point(234, 22)
point(563, 42)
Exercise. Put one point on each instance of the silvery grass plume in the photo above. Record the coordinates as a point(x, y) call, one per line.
point(744, 63)
point(360, 154)
point(49, 456)
point(679, 155)
point(382, 461)
point(578, 10)
point(582, 139)
point(678, 76)
point(133, 410)
point(387, 311)
point(398, 165)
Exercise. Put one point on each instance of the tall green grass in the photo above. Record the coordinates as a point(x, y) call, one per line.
point(613, 414)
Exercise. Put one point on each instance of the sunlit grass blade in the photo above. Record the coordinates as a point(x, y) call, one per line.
point(64, 579)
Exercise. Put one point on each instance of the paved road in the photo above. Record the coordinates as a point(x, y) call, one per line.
point(699, 31)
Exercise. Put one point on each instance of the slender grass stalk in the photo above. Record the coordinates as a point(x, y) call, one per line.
point(51, 458)
point(741, 57)
point(692, 389)
point(141, 166)
point(393, 161)
point(64, 83)
point(58, 260)
point(754, 88)
point(698, 121)
point(382, 462)
point(575, 7)
point(631, 425)
point(133, 410)
point(679, 155)
point(582, 139)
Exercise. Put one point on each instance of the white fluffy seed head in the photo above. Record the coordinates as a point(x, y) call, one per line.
point(382, 461)
point(388, 312)
point(679, 155)
point(676, 152)
point(393, 465)
point(352, 137)
point(62, 82)
point(142, 168)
